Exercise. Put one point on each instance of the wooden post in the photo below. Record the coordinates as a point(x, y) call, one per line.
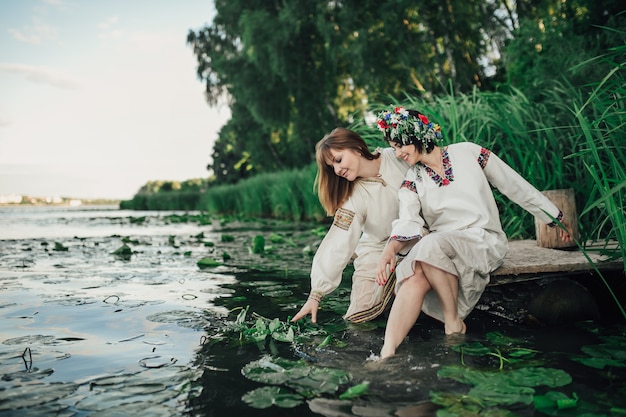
point(548, 237)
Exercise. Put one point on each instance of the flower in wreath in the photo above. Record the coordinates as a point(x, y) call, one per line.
point(399, 126)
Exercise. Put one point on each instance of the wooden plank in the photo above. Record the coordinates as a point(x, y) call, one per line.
point(525, 257)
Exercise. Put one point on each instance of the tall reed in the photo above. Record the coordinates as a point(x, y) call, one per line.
point(509, 125)
point(284, 195)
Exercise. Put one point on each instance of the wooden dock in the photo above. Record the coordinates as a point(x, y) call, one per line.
point(526, 260)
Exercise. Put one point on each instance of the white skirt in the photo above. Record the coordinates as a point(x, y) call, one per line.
point(469, 254)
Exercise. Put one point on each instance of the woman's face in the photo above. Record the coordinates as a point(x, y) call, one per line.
point(407, 153)
point(345, 162)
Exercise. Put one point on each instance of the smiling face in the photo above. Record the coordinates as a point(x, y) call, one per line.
point(407, 153)
point(346, 163)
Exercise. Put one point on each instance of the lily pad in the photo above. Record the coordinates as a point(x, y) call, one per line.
point(208, 263)
point(266, 397)
point(309, 381)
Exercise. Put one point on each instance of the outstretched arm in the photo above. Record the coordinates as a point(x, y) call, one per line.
point(519, 190)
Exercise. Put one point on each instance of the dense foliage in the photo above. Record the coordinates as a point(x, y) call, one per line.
point(540, 82)
point(291, 71)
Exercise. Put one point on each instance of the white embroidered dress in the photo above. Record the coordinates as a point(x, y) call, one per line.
point(465, 235)
point(361, 228)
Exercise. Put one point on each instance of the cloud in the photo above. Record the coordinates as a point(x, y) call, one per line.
point(37, 33)
point(41, 75)
point(109, 22)
point(58, 3)
point(108, 30)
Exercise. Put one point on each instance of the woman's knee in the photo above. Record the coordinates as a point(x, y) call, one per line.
point(418, 281)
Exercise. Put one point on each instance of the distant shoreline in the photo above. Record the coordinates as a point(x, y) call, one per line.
point(20, 201)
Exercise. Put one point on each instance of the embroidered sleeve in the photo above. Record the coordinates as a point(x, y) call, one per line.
point(337, 248)
point(510, 183)
point(405, 238)
point(409, 185)
point(316, 295)
point(343, 218)
point(483, 158)
point(559, 218)
point(410, 224)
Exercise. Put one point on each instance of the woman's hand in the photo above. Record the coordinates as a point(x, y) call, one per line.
point(386, 265)
point(310, 307)
point(566, 235)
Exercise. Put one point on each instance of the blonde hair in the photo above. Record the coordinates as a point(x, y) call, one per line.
point(332, 189)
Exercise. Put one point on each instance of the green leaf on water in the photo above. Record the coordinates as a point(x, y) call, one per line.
point(598, 363)
point(610, 353)
point(456, 405)
point(60, 248)
point(307, 380)
point(283, 336)
point(475, 349)
point(276, 238)
point(318, 381)
point(497, 393)
point(241, 317)
point(228, 238)
point(208, 263)
point(275, 371)
point(526, 377)
point(274, 325)
point(266, 397)
point(123, 250)
point(553, 401)
point(258, 244)
point(355, 391)
point(501, 340)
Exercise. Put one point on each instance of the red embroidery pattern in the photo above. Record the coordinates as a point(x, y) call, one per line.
point(483, 157)
point(410, 185)
point(343, 218)
point(405, 238)
point(559, 218)
point(447, 170)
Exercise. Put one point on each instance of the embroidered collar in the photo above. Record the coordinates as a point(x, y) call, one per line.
point(379, 179)
point(447, 170)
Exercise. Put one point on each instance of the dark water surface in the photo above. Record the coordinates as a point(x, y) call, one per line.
point(84, 332)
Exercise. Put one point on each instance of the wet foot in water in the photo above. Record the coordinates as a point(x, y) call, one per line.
point(386, 352)
point(457, 328)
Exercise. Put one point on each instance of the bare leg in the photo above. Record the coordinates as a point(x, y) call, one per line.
point(446, 285)
point(405, 310)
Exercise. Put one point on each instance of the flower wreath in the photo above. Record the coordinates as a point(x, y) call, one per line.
point(399, 126)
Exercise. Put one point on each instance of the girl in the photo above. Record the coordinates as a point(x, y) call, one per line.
point(360, 189)
point(447, 191)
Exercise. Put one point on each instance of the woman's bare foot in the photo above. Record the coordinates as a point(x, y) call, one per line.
point(456, 328)
point(386, 352)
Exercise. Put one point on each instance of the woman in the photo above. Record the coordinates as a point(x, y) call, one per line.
point(360, 189)
point(447, 191)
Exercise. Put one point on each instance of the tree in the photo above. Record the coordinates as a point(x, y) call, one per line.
point(553, 38)
point(298, 69)
point(292, 70)
point(268, 61)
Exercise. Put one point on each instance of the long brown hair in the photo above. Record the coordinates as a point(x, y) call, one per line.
point(332, 189)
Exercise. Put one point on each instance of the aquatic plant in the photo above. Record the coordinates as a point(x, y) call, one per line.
point(292, 381)
point(518, 381)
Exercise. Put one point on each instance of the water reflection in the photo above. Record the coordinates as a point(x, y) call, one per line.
point(149, 335)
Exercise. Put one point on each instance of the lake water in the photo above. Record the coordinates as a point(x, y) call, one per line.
point(87, 332)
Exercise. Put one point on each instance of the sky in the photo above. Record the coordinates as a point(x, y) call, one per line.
point(98, 97)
